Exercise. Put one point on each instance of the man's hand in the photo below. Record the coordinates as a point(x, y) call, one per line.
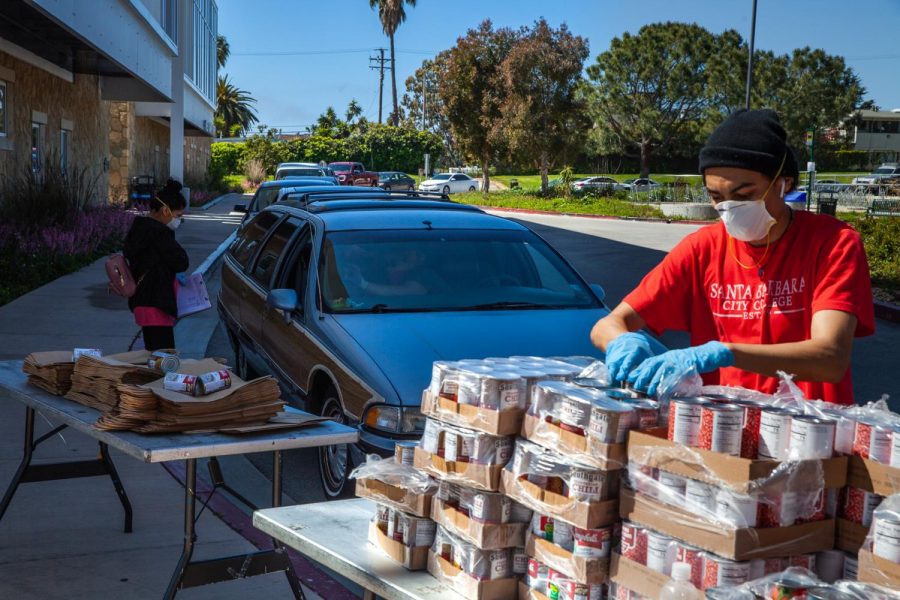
point(626, 352)
point(653, 371)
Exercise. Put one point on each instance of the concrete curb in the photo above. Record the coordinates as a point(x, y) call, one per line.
point(887, 312)
point(210, 260)
point(528, 211)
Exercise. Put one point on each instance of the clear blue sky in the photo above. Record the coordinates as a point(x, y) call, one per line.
point(339, 36)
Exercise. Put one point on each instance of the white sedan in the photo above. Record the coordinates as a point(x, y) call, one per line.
point(449, 183)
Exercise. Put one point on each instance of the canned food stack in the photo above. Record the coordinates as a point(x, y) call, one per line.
point(395, 482)
point(715, 488)
point(405, 538)
point(474, 572)
point(460, 455)
point(798, 582)
point(487, 520)
point(871, 438)
point(879, 558)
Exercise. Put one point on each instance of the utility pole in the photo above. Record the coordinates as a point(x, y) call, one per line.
point(424, 96)
point(377, 62)
point(750, 58)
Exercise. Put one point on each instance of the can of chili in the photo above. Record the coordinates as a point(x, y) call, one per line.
point(872, 439)
point(684, 420)
point(720, 428)
point(718, 571)
point(812, 437)
point(774, 432)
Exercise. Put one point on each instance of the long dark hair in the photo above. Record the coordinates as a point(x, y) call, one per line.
point(170, 196)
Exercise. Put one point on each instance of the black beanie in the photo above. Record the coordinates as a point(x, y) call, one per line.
point(752, 140)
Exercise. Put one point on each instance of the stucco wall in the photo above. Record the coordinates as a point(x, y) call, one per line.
point(196, 158)
point(77, 103)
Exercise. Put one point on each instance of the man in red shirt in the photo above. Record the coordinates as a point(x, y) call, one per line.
point(765, 289)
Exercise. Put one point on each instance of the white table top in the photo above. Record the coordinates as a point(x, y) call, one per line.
point(163, 447)
point(335, 534)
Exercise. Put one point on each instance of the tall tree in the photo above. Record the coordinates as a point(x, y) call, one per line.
point(650, 88)
point(471, 90)
point(234, 109)
point(392, 13)
point(542, 116)
point(223, 50)
point(354, 110)
point(422, 104)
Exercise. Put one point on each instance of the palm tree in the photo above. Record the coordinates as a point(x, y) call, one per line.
point(234, 113)
point(392, 13)
point(353, 111)
point(223, 50)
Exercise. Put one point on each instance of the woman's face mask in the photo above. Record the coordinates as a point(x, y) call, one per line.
point(174, 224)
point(747, 220)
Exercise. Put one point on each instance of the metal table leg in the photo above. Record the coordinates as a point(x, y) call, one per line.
point(28, 473)
point(190, 573)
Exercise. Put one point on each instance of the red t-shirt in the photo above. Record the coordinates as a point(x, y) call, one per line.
point(818, 264)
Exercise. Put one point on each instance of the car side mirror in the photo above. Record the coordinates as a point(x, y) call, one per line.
point(599, 291)
point(239, 208)
point(284, 300)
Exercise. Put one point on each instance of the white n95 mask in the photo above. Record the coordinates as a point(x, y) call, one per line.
point(745, 220)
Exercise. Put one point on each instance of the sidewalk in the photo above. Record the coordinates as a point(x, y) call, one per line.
point(64, 539)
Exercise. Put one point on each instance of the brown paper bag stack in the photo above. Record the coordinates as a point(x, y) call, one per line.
point(94, 380)
point(50, 371)
point(153, 409)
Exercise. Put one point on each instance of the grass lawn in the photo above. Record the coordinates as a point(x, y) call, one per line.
point(592, 206)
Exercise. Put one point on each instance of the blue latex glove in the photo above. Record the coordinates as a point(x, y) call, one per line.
point(626, 352)
point(182, 278)
point(651, 373)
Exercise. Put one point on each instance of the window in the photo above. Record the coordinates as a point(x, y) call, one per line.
point(64, 135)
point(4, 131)
point(245, 245)
point(296, 274)
point(204, 47)
point(271, 251)
point(37, 147)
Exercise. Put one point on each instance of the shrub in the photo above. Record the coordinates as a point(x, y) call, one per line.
point(51, 197)
point(255, 171)
point(226, 158)
point(881, 238)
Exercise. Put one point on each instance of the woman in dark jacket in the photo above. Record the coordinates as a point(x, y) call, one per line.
point(155, 258)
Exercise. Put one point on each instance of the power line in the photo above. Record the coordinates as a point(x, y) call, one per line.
point(321, 52)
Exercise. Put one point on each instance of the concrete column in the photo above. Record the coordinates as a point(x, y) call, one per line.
point(176, 127)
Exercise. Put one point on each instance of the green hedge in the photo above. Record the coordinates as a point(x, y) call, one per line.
point(881, 237)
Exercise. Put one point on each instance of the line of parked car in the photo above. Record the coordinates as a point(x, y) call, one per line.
point(355, 174)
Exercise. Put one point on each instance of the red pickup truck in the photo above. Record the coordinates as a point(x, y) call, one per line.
point(353, 173)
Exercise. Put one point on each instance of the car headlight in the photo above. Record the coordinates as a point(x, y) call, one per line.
point(394, 419)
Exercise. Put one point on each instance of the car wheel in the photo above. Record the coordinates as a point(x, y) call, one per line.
point(244, 370)
point(334, 461)
point(446, 190)
point(387, 188)
point(472, 188)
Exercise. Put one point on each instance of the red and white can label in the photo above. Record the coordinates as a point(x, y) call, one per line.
point(812, 437)
point(872, 440)
point(774, 433)
point(586, 485)
point(719, 571)
point(694, 557)
point(684, 420)
point(750, 428)
point(806, 561)
point(634, 542)
point(592, 543)
point(720, 428)
point(660, 552)
point(859, 505)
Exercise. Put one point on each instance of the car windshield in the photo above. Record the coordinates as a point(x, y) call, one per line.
point(442, 176)
point(445, 270)
point(883, 171)
point(265, 197)
point(299, 172)
point(340, 166)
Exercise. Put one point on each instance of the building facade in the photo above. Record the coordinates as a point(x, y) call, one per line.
point(878, 133)
point(114, 88)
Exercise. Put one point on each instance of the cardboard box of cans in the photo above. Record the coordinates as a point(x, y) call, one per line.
point(604, 456)
point(736, 544)
point(471, 587)
point(849, 536)
point(394, 496)
point(588, 515)
point(878, 570)
point(414, 558)
point(654, 449)
point(529, 593)
point(873, 476)
point(478, 475)
point(495, 531)
point(472, 416)
point(643, 580)
point(582, 569)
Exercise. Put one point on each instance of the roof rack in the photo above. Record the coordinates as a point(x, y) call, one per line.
point(322, 205)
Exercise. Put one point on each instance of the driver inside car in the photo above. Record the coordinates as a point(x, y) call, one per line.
point(405, 274)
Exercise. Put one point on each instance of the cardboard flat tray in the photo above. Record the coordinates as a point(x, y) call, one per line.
point(873, 476)
point(527, 593)
point(639, 578)
point(587, 515)
point(507, 422)
point(736, 544)
point(606, 457)
point(874, 569)
point(471, 588)
point(849, 536)
point(650, 447)
point(396, 497)
point(579, 568)
point(414, 559)
point(483, 477)
point(487, 536)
